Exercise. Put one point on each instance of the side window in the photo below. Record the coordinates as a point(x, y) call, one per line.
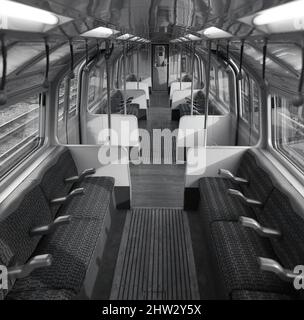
point(288, 130)
point(95, 88)
point(256, 106)
point(68, 110)
point(20, 131)
point(223, 83)
point(213, 80)
point(245, 98)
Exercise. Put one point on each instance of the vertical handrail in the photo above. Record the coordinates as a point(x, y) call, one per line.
point(180, 68)
point(209, 43)
point(192, 77)
point(125, 78)
point(107, 57)
point(137, 68)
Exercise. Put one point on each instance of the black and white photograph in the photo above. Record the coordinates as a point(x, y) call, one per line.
point(151, 156)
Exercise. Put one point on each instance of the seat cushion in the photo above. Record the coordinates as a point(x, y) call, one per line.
point(258, 295)
point(72, 247)
point(53, 183)
point(94, 204)
point(237, 250)
point(217, 204)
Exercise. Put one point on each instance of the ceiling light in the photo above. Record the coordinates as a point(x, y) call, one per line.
point(100, 32)
point(183, 39)
point(11, 9)
point(215, 33)
point(134, 39)
point(290, 11)
point(192, 37)
point(125, 36)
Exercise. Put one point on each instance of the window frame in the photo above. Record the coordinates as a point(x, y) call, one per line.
point(42, 133)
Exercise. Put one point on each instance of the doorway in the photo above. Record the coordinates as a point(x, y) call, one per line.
point(160, 67)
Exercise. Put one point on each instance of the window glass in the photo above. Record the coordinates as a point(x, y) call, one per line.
point(213, 79)
point(288, 130)
point(223, 82)
point(20, 131)
point(245, 97)
point(256, 105)
point(96, 83)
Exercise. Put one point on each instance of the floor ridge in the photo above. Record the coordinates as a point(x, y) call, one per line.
point(155, 260)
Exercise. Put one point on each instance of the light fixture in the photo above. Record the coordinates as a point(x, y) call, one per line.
point(15, 10)
point(100, 32)
point(183, 39)
point(290, 11)
point(192, 37)
point(134, 39)
point(125, 36)
point(215, 33)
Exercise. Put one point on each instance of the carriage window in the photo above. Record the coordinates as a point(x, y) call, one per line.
point(288, 129)
point(96, 85)
point(256, 104)
point(67, 105)
point(20, 131)
point(245, 96)
point(223, 83)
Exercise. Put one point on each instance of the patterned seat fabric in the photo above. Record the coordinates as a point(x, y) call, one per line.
point(53, 183)
point(279, 214)
point(16, 244)
point(260, 185)
point(217, 204)
point(72, 247)
point(237, 251)
point(94, 203)
point(257, 295)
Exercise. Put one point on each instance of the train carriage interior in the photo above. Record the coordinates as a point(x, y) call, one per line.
point(151, 150)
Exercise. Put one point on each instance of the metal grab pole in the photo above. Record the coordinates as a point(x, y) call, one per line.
point(107, 57)
point(207, 91)
point(180, 68)
point(137, 68)
point(125, 78)
point(192, 77)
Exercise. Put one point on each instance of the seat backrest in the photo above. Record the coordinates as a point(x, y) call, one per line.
point(279, 214)
point(175, 86)
point(25, 209)
point(132, 77)
point(139, 86)
point(53, 184)
point(179, 97)
point(260, 185)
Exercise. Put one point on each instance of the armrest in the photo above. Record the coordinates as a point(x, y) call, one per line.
point(229, 175)
point(245, 200)
point(273, 266)
point(72, 194)
point(43, 230)
point(83, 175)
point(253, 224)
point(25, 270)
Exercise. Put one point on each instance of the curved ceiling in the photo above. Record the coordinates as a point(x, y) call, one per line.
point(157, 20)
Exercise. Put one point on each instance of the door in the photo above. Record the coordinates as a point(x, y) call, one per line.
point(160, 65)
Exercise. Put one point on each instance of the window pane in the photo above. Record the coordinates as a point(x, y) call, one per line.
point(245, 96)
point(288, 130)
point(223, 81)
point(19, 132)
point(212, 80)
point(97, 81)
point(256, 103)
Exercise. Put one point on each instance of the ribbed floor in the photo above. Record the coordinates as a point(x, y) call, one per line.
point(155, 259)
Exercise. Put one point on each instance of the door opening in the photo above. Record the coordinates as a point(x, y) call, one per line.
point(160, 67)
